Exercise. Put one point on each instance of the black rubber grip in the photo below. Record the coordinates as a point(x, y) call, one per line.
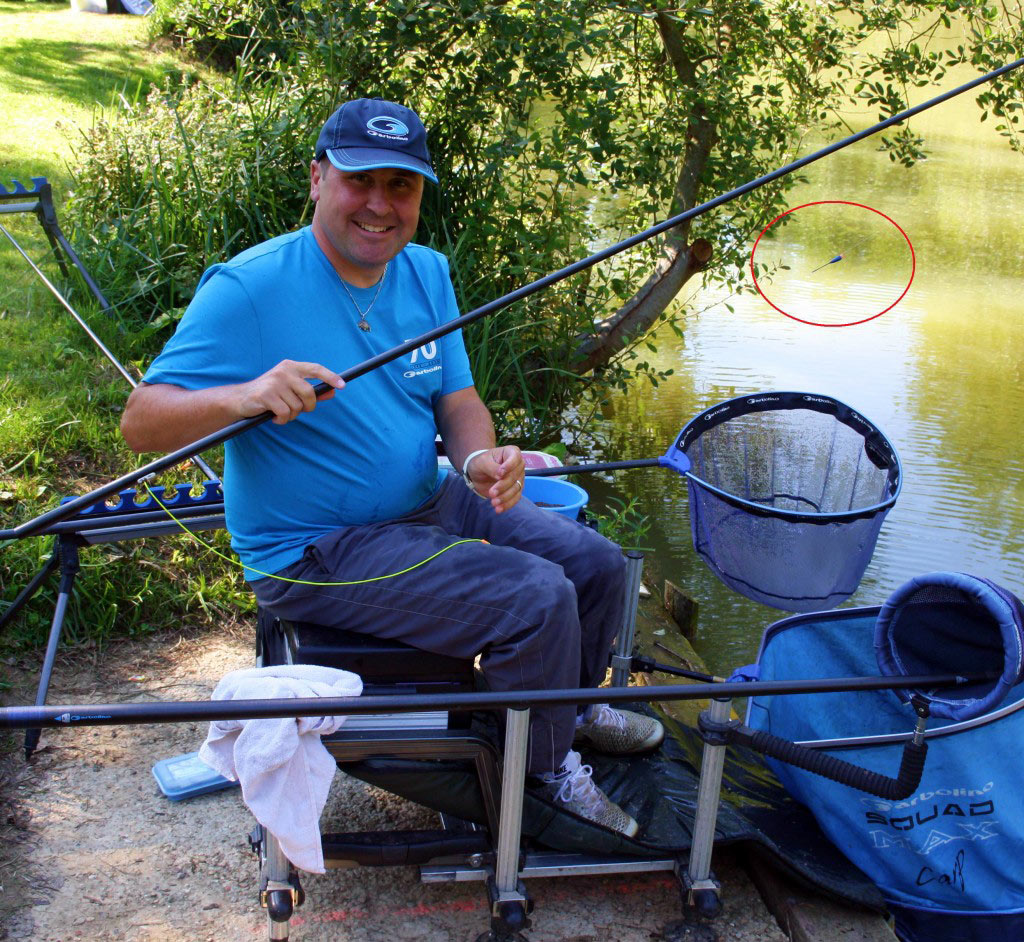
point(837, 770)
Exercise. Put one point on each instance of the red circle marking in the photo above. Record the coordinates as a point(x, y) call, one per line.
point(864, 320)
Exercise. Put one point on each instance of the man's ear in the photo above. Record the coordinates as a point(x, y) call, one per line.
point(314, 180)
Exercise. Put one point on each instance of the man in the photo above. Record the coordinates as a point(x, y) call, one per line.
point(337, 509)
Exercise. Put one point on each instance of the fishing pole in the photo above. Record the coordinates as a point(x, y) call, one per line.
point(68, 509)
point(594, 467)
point(195, 459)
point(181, 711)
point(640, 663)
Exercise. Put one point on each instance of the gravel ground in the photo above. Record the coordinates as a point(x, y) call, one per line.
point(90, 849)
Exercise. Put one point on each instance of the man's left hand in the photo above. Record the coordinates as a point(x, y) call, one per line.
point(498, 475)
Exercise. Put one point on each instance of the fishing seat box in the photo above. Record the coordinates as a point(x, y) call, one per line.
point(378, 748)
point(385, 666)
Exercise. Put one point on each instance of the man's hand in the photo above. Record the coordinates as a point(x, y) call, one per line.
point(465, 425)
point(498, 475)
point(285, 390)
point(164, 417)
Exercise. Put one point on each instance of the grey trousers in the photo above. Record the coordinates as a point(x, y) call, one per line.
point(540, 602)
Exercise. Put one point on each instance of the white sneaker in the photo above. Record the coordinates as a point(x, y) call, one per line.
point(618, 732)
point(573, 788)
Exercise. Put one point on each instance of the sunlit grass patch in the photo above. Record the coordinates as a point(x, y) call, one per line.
point(56, 67)
point(60, 399)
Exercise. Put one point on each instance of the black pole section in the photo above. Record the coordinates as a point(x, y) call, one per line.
point(130, 714)
point(106, 521)
point(600, 466)
point(77, 262)
point(640, 663)
point(34, 526)
point(69, 571)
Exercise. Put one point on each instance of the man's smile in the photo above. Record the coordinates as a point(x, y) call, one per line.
point(367, 227)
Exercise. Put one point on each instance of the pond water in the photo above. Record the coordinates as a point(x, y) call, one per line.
point(940, 373)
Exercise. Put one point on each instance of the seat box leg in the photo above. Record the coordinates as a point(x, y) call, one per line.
point(508, 899)
point(280, 890)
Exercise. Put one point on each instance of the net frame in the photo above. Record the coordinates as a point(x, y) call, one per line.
point(817, 567)
point(876, 446)
point(955, 621)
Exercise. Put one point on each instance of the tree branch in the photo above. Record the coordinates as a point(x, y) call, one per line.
point(679, 261)
point(636, 316)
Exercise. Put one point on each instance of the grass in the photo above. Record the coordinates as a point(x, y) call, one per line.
point(60, 400)
point(58, 70)
point(57, 67)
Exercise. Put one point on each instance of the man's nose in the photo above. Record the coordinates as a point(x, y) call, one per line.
point(377, 201)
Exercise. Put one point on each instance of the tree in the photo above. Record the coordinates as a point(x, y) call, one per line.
point(555, 126)
point(747, 80)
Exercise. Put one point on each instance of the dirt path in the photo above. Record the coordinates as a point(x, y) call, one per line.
point(90, 849)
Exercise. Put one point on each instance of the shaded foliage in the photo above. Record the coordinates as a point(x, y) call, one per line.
point(553, 126)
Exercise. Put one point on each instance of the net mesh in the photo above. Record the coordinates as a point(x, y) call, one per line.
point(787, 494)
point(942, 630)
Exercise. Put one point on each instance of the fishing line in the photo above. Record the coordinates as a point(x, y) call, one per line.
point(270, 575)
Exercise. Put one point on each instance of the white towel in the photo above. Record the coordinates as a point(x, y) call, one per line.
point(284, 769)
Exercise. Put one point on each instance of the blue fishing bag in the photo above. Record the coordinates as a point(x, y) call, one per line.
point(948, 858)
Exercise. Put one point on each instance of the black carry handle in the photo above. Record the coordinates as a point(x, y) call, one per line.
point(819, 763)
point(838, 770)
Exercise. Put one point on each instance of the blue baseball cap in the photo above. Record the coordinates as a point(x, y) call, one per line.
point(372, 134)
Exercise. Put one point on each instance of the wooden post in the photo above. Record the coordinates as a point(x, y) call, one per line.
point(682, 609)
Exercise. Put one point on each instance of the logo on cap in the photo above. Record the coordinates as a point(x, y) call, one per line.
point(385, 126)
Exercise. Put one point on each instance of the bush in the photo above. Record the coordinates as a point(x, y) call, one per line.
point(185, 178)
point(194, 175)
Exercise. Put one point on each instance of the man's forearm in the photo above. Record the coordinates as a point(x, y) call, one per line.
point(465, 425)
point(465, 428)
point(162, 417)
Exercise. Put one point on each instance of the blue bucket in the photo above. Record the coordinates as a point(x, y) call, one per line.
point(562, 497)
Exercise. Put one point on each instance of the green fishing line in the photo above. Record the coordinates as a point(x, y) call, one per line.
point(270, 575)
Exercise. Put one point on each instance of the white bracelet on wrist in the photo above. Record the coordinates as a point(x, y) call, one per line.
point(465, 467)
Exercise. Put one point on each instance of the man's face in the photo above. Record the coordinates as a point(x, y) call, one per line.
point(365, 217)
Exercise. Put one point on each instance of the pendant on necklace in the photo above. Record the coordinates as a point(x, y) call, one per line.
point(363, 324)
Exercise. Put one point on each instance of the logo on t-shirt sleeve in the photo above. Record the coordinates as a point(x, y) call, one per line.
point(423, 355)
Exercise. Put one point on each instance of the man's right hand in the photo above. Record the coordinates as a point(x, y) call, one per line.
point(285, 390)
point(165, 417)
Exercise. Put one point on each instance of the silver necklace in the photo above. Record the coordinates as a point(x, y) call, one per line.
point(363, 323)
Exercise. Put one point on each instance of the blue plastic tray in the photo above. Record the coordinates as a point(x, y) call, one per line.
point(186, 776)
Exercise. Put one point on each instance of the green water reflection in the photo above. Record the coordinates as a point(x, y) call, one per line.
point(941, 373)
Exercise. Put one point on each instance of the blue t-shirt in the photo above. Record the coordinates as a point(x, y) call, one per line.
point(366, 455)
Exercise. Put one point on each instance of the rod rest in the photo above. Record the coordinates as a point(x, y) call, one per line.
point(810, 760)
point(129, 501)
point(18, 189)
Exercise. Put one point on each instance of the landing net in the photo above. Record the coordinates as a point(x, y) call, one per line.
point(787, 494)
